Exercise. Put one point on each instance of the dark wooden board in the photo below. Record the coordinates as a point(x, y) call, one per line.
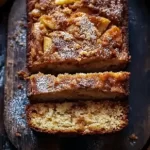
point(139, 99)
point(4, 11)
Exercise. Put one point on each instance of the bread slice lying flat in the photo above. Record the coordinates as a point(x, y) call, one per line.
point(78, 118)
point(79, 86)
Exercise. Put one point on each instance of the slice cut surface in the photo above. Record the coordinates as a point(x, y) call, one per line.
point(78, 118)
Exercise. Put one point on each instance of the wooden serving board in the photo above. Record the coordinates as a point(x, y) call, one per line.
point(16, 99)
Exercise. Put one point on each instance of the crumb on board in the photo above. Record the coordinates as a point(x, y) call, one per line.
point(22, 44)
point(18, 134)
point(11, 45)
point(22, 74)
point(133, 137)
point(20, 86)
point(23, 115)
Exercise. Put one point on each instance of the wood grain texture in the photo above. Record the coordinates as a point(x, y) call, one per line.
point(4, 11)
point(139, 118)
point(15, 99)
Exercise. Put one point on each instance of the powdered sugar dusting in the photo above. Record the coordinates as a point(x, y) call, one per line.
point(43, 84)
point(64, 44)
point(87, 28)
point(14, 111)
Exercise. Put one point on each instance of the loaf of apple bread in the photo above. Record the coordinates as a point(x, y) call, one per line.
point(78, 118)
point(77, 35)
point(80, 86)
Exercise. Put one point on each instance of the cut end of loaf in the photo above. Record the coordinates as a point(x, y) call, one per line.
point(78, 118)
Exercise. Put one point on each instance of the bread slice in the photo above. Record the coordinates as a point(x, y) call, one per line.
point(78, 118)
point(80, 86)
point(80, 36)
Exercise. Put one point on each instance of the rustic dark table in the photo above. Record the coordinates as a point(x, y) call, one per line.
point(4, 11)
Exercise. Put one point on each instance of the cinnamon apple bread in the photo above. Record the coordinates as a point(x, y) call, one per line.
point(80, 86)
point(78, 118)
point(77, 35)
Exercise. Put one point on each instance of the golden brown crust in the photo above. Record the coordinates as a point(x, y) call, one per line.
point(81, 86)
point(77, 36)
point(50, 118)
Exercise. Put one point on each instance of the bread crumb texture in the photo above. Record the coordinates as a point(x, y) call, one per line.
point(83, 118)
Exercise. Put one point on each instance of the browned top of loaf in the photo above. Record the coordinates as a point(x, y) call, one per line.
point(108, 81)
point(76, 32)
point(112, 9)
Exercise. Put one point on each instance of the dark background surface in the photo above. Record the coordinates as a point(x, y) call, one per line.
point(4, 11)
